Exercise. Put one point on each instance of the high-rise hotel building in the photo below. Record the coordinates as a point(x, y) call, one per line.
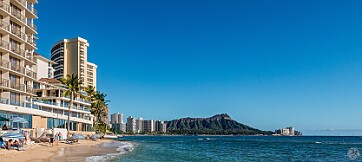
point(71, 56)
point(27, 86)
point(17, 35)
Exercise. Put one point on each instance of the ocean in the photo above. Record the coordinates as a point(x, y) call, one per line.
point(235, 148)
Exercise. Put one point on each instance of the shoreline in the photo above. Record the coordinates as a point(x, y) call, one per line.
point(42, 152)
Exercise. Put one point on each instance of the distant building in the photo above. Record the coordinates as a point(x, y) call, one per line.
point(116, 118)
point(139, 125)
point(288, 131)
point(148, 126)
point(291, 131)
point(131, 125)
point(160, 126)
point(120, 118)
point(119, 127)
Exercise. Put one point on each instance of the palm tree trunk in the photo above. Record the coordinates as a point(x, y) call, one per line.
point(69, 107)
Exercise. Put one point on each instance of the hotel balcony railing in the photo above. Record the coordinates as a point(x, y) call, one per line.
point(4, 83)
point(14, 30)
point(17, 50)
point(4, 100)
point(30, 73)
point(17, 32)
point(17, 86)
point(17, 68)
point(4, 6)
point(4, 25)
point(30, 40)
point(29, 90)
point(62, 105)
point(32, 9)
point(29, 104)
point(29, 56)
point(23, 2)
point(31, 25)
point(4, 64)
point(18, 15)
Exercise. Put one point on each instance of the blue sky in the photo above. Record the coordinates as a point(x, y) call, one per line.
point(267, 64)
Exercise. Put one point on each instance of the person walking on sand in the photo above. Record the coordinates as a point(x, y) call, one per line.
point(60, 136)
point(51, 141)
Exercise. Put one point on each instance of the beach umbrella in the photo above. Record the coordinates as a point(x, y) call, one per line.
point(13, 135)
point(78, 136)
point(3, 119)
point(19, 120)
point(94, 136)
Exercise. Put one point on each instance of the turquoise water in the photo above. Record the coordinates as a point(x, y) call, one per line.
point(238, 148)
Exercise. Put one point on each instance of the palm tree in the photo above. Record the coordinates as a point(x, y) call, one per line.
point(73, 84)
point(99, 107)
point(90, 93)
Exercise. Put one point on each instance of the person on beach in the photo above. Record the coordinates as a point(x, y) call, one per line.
point(10, 143)
point(4, 127)
point(51, 141)
point(60, 136)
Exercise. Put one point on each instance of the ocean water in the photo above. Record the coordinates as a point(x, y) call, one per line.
point(235, 148)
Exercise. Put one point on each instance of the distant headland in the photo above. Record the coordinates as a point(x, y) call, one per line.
point(220, 124)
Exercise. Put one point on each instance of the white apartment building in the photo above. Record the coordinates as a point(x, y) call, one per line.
point(139, 125)
point(44, 66)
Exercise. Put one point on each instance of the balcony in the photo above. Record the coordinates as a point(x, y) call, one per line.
point(29, 56)
point(23, 2)
point(4, 83)
point(32, 25)
point(4, 64)
point(18, 15)
point(30, 40)
point(4, 100)
point(32, 10)
point(17, 68)
point(16, 49)
point(17, 86)
point(18, 33)
point(22, 70)
point(30, 73)
point(4, 25)
point(4, 6)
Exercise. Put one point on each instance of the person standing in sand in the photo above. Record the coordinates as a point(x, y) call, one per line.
point(60, 136)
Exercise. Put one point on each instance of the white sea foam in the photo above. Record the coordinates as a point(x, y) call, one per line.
point(123, 148)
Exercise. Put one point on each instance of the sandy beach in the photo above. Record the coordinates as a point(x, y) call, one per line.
point(62, 152)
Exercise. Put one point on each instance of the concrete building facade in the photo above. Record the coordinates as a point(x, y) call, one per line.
point(44, 66)
point(148, 126)
point(139, 125)
point(131, 125)
point(26, 87)
point(71, 56)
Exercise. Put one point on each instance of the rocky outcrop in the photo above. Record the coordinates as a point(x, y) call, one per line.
point(221, 124)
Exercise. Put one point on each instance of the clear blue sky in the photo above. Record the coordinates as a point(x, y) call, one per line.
point(267, 64)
